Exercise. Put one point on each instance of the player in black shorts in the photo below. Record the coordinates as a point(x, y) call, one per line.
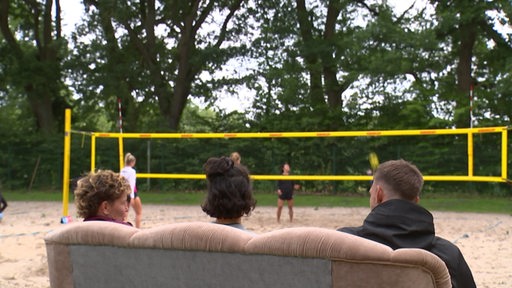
point(285, 190)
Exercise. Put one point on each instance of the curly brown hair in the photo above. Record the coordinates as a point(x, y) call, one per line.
point(96, 187)
point(229, 189)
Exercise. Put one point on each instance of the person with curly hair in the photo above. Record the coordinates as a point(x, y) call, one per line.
point(103, 196)
point(229, 192)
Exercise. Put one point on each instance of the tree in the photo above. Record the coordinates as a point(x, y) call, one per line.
point(311, 53)
point(32, 50)
point(156, 51)
point(469, 30)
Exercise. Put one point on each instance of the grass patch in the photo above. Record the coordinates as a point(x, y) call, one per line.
point(315, 200)
point(455, 203)
point(472, 204)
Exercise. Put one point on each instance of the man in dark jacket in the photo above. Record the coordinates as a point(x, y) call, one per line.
point(396, 219)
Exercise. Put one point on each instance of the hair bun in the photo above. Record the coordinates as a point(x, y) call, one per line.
point(218, 166)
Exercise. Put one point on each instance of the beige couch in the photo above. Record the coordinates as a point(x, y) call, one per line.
point(199, 254)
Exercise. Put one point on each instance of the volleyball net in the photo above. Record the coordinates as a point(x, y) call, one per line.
point(341, 147)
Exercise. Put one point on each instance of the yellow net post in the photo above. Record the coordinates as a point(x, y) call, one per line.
point(470, 153)
point(67, 158)
point(121, 152)
point(93, 152)
point(504, 153)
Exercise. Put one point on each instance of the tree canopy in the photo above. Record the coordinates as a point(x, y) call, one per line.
point(303, 64)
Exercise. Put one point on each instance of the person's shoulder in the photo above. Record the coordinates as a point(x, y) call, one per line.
point(349, 230)
point(446, 247)
point(127, 169)
point(444, 242)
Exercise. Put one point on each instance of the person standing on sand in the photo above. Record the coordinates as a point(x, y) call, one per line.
point(285, 193)
point(129, 173)
point(235, 156)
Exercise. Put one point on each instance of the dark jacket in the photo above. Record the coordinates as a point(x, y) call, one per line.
point(403, 224)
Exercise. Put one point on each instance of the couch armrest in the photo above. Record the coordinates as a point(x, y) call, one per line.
point(60, 265)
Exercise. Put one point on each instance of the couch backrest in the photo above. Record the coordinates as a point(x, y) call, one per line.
point(355, 262)
point(199, 254)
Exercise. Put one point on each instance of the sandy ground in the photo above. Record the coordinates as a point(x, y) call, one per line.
point(485, 239)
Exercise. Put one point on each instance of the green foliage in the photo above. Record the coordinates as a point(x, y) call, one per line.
point(32, 50)
point(366, 68)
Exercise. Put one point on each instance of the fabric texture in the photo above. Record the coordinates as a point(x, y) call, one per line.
point(202, 254)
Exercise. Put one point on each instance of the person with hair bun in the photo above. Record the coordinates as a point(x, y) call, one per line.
point(129, 173)
point(103, 196)
point(229, 192)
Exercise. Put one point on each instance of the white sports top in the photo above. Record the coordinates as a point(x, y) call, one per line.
point(130, 174)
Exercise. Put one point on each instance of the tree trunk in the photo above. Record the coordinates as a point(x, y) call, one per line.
point(42, 109)
point(42, 86)
point(332, 86)
point(185, 75)
point(311, 58)
point(467, 34)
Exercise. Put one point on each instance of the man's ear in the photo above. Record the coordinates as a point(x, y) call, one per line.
point(380, 194)
point(416, 199)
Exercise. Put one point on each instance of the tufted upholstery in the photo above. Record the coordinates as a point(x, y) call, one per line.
point(200, 254)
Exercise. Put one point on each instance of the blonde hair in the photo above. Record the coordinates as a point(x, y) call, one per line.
point(96, 187)
point(129, 159)
point(235, 156)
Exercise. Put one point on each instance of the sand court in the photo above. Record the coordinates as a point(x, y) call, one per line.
point(485, 239)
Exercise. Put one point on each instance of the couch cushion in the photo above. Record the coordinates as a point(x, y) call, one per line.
point(193, 236)
point(317, 242)
point(356, 262)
